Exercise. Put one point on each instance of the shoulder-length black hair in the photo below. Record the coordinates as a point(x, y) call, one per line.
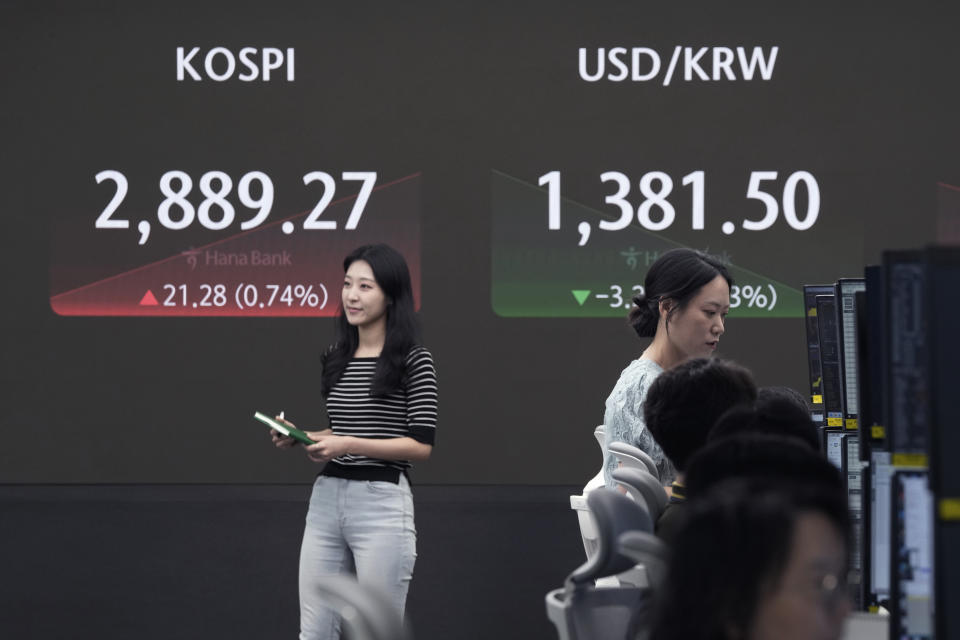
point(402, 332)
point(676, 275)
point(730, 553)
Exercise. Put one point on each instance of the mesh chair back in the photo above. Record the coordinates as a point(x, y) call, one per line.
point(588, 530)
point(581, 611)
point(614, 515)
point(643, 488)
point(632, 457)
point(598, 433)
point(650, 551)
point(600, 614)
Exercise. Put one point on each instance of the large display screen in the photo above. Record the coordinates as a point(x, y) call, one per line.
point(183, 180)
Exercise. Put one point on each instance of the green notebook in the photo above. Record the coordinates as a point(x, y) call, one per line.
point(294, 433)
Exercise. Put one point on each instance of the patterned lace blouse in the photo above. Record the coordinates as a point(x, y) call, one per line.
point(623, 419)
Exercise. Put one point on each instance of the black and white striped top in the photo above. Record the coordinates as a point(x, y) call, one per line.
point(410, 411)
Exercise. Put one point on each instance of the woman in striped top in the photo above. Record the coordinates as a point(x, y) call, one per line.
point(381, 391)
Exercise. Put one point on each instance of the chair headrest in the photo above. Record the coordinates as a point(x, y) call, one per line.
point(640, 546)
point(615, 514)
point(646, 485)
point(624, 451)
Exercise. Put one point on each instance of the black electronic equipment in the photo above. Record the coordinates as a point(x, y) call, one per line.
point(908, 392)
point(831, 441)
point(942, 306)
point(852, 469)
point(830, 360)
point(877, 526)
point(911, 559)
point(844, 295)
point(810, 293)
point(871, 362)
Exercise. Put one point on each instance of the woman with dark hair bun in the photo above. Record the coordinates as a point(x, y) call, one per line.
point(685, 299)
point(380, 387)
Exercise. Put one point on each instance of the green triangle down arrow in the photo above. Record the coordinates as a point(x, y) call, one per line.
point(581, 295)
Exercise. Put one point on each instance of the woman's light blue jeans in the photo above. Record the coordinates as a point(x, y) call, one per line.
point(355, 526)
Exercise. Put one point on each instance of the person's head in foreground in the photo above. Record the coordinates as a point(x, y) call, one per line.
point(684, 402)
point(778, 411)
point(763, 459)
point(758, 561)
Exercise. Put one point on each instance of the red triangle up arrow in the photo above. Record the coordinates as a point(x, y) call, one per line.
point(148, 300)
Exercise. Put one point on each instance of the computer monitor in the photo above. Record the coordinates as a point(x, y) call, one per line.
point(864, 392)
point(852, 468)
point(830, 360)
point(946, 585)
point(911, 559)
point(907, 358)
point(875, 550)
point(871, 358)
point(844, 292)
point(810, 293)
point(832, 444)
point(943, 306)
point(942, 297)
point(877, 524)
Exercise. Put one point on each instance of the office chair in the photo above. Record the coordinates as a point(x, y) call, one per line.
point(365, 613)
point(632, 457)
point(582, 611)
point(648, 550)
point(588, 530)
point(644, 488)
point(599, 434)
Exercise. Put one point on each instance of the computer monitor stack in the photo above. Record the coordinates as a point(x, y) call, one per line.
point(942, 298)
point(885, 361)
point(845, 291)
point(833, 372)
point(907, 410)
point(870, 312)
point(853, 339)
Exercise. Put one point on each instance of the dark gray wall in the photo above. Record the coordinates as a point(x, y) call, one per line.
point(862, 97)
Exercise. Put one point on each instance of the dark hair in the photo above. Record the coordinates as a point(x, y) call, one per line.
point(764, 458)
point(786, 394)
point(676, 275)
point(683, 403)
point(778, 411)
point(402, 332)
point(730, 551)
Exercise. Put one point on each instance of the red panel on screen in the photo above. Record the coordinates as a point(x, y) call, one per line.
point(277, 269)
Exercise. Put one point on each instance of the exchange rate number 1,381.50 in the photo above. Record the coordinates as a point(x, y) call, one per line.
point(656, 213)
